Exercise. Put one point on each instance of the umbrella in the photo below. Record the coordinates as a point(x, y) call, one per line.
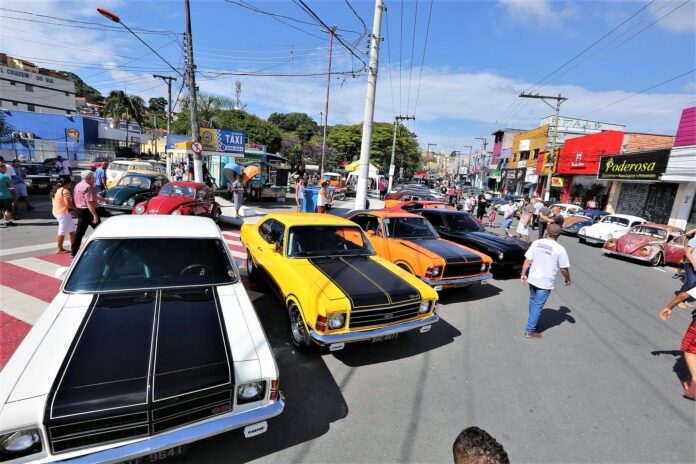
point(230, 170)
point(249, 172)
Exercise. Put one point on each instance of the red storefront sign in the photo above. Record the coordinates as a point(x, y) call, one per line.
point(581, 155)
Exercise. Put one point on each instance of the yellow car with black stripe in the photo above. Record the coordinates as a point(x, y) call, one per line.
point(335, 288)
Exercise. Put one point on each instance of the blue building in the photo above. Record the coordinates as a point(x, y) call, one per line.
point(39, 136)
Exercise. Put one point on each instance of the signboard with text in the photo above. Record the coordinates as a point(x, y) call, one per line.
point(225, 141)
point(647, 165)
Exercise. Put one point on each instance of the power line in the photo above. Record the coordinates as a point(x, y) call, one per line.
point(413, 48)
point(81, 26)
point(425, 47)
point(391, 82)
point(357, 16)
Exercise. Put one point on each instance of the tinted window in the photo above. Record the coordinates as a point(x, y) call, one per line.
point(463, 223)
point(409, 227)
point(368, 222)
point(119, 264)
point(615, 220)
point(265, 230)
point(314, 241)
point(435, 219)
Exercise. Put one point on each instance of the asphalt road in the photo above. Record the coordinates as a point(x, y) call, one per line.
point(601, 386)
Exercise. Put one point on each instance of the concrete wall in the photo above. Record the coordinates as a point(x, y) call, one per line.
point(21, 89)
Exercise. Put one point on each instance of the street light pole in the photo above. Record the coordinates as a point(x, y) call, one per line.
point(193, 95)
point(392, 167)
point(168, 80)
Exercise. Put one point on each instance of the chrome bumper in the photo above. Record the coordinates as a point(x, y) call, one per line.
point(591, 239)
point(180, 437)
point(110, 207)
point(459, 282)
point(626, 255)
point(370, 334)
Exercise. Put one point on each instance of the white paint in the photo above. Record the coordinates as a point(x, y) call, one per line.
point(20, 305)
point(27, 249)
point(37, 265)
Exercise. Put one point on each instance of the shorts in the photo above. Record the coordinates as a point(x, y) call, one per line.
point(66, 224)
point(507, 223)
point(20, 190)
point(6, 205)
point(321, 209)
point(689, 341)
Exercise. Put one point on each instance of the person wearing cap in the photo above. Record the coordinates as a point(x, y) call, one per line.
point(544, 258)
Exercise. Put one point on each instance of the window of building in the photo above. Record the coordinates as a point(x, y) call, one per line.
point(536, 153)
point(14, 103)
point(13, 83)
point(28, 87)
point(31, 108)
point(524, 155)
point(67, 94)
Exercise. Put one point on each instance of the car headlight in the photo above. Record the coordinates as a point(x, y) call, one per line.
point(336, 321)
point(501, 255)
point(583, 231)
point(252, 391)
point(140, 209)
point(437, 271)
point(644, 251)
point(19, 443)
point(609, 244)
point(176, 212)
point(573, 228)
point(425, 306)
point(131, 202)
point(483, 267)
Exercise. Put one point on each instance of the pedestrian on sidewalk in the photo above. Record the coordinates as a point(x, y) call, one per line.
point(323, 198)
point(508, 214)
point(62, 167)
point(481, 206)
point(87, 208)
point(237, 195)
point(538, 204)
point(688, 345)
point(100, 174)
point(451, 194)
point(178, 172)
point(20, 185)
point(382, 189)
point(62, 205)
point(6, 195)
point(299, 193)
point(491, 218)
point(543, 260)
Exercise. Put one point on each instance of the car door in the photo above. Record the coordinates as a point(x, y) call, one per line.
point(200, 205)
point(271, 232)
point(675, 249)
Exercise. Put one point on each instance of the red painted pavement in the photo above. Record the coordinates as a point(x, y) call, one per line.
point(62, 259)
point(12, 332)
point(29, 282)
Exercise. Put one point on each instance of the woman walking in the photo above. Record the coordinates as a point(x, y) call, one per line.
point(481, 207)
point(323, 198)
point(237, 196)
point(62, 204)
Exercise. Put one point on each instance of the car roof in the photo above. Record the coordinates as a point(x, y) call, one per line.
point(156, 225)
point(149, 175)
point(664, 227)
point(383, 213)
point(593, 211)
point(628, 216)
point(301, 219)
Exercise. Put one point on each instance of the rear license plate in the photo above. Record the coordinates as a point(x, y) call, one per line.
point(156, 457)
point(384, 338)
point(484, 281)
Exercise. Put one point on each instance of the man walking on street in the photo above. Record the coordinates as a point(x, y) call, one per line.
point(299, 193)
point(20, 186)
point(100, 174)
point(543, 260)
point(546, 218)
point(508, 213)
point(6, 195)
point(85, 198)
point(237, 196)
point(538, 204)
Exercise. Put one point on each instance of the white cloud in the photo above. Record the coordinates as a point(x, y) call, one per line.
point(534, 12)
point(682, 19)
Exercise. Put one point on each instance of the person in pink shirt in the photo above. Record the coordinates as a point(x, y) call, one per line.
point(85, 197)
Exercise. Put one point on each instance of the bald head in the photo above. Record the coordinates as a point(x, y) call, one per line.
point(556, 210)
point(553, 231)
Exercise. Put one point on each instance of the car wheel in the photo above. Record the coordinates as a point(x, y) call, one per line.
point(405, 268)
point(657, 259)
point(216, 215)
point(250, 266)
point(298, 331)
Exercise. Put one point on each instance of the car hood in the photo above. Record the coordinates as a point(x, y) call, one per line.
point(630, 243)
point(433, 248)
point(120, 194)
point(493, 242)
point(580, 223)
point(603, 229)
point(165, 204)
point(569, 221)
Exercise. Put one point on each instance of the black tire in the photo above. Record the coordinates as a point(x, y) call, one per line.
point(657, 260)
point(299, 337)
point(403, 266)
point(216, 216)
point(251, 268)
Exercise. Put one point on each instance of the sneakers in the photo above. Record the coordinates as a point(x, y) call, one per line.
point(535, 335)
point(9, 224)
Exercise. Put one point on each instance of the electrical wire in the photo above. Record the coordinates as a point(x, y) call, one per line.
point(391, 81)
point(413, 48)
point(425, 47)
point(277, 17)
point(79, 26)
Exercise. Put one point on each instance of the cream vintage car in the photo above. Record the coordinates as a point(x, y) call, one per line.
point(610, 227)
point(151, 343)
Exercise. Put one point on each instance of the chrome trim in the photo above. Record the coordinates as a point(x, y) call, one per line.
point(627, 255)
point(370, 334)
point(181, 436)
point(109, 206)
point(591, 239)
point(461, 280)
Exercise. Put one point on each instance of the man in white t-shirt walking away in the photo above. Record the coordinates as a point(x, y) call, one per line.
point(543, 261)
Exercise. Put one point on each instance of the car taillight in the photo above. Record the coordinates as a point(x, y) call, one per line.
point(320, 326)
point(274, 390)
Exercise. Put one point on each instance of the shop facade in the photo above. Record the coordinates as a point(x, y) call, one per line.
point(681, 168)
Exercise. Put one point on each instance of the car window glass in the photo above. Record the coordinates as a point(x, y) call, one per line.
point(277, 233)
point(435, 219)
point(327, 241)
point(679, 240)
point(180, 190)
point(409, 227)
point(135, 181)
point(265, 230)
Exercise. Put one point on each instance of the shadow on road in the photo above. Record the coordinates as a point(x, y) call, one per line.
point(680, 368)
point(473, 293)
point(551, 318)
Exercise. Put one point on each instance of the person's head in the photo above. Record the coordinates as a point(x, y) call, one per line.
point(556, 210)
point(526, 201)
point(459, 207)
point(88, 176)
point(553, 231)
point(105, 165)
point(3, 167)
point(300, 180)
point(510, 201)
point(324, 184)
point(60, 158)
point(15, 163)
point(476, 446)
point(547, 203)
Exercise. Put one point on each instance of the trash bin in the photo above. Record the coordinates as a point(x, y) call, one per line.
point(311, 196)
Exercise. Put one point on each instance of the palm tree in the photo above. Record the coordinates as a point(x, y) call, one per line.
point(120, 106)
point(208, 106)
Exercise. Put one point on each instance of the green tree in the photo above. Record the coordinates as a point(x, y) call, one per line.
point(300, 123)
point(122, 107)
point(5, 129)
point(157, 105)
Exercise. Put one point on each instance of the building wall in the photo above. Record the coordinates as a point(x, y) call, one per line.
point(22, 90)
point(653, 202)
point(635, 142)
point(581, 155)
point(538, 138)
point(683, 204)
point(49, 135)
point(686, 133)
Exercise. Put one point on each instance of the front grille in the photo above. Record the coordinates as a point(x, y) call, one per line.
point(383, 315)
point(170, 414)
point(461, 270)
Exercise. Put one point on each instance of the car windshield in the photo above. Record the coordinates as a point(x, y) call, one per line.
point(178, 190)
point(134, 181)
point(409, 227)
point(463, 223)
point(35, 169)
point(652, 231)
point(619, 221)
point(313, 241)
point(144, 263)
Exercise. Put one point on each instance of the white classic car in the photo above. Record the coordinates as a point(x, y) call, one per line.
point(567, 209)
point(151, 343)
point(609, 227)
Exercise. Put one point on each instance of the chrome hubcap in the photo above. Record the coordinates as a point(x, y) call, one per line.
point(296, 326)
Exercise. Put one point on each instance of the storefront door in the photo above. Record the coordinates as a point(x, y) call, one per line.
point(653, 202)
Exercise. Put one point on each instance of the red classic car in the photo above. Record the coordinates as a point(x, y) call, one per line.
point(653, 243)
point(185, 198)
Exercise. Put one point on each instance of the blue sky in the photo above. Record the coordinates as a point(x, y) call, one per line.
point(480, 55)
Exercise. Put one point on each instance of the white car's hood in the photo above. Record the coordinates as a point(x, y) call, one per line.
point(601, 230)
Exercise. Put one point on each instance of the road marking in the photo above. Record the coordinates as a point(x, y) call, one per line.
point(12, 332)
point(29, 282)
point(658, 269)
point(27, 249)
point(21, 305)
point(37, 265)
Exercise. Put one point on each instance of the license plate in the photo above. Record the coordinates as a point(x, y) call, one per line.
point(384, 338)
point(484, 281)
point(156, 457)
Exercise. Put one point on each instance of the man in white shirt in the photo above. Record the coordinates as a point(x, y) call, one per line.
point(508, 212)
point(538, 204)
point(543, 261)
point(62, 167)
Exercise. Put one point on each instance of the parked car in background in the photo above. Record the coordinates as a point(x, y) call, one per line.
point(507, 253)
point(609, 227)
point(117, 168)
point(40, 178)
point(133, 188)
point(652, 243)
point(409, 241)
point(335, 288)
point(584, 217)
point(567, 209)
point(408, 195)
point(182, 198)
point(97, 162)
point(418, 204)
point(151, 343)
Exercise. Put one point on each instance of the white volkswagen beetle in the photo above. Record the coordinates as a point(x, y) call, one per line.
point(151, 343)
point(609, 227)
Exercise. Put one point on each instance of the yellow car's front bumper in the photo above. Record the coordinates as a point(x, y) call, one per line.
point(365, 335)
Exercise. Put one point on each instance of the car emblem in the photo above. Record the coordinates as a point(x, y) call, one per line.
point(389, 315)
point(413, 295)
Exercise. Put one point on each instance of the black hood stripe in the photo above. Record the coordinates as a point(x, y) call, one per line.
point(451, 252)
point(170, 343)
point(397, 289)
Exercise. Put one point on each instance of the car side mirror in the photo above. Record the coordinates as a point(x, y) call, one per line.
point(370, 233)
point(61, 272)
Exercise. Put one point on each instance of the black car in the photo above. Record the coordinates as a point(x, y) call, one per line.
point(460, 227)
point(39, 177)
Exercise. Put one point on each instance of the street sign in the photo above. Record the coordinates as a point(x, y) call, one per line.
point(72, 134)
point(197, 147)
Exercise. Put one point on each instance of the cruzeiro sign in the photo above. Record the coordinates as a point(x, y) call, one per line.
point(648, 165)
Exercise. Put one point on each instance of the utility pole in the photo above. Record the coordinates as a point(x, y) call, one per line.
point(392, 167)
point(238, 105)
point(191, 77)
point(168, 80)
point(368, 116)
point(331, 32)
point(484, 143)
point(559, 99)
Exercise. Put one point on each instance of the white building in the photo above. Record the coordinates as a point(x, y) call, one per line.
point(24, 90)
